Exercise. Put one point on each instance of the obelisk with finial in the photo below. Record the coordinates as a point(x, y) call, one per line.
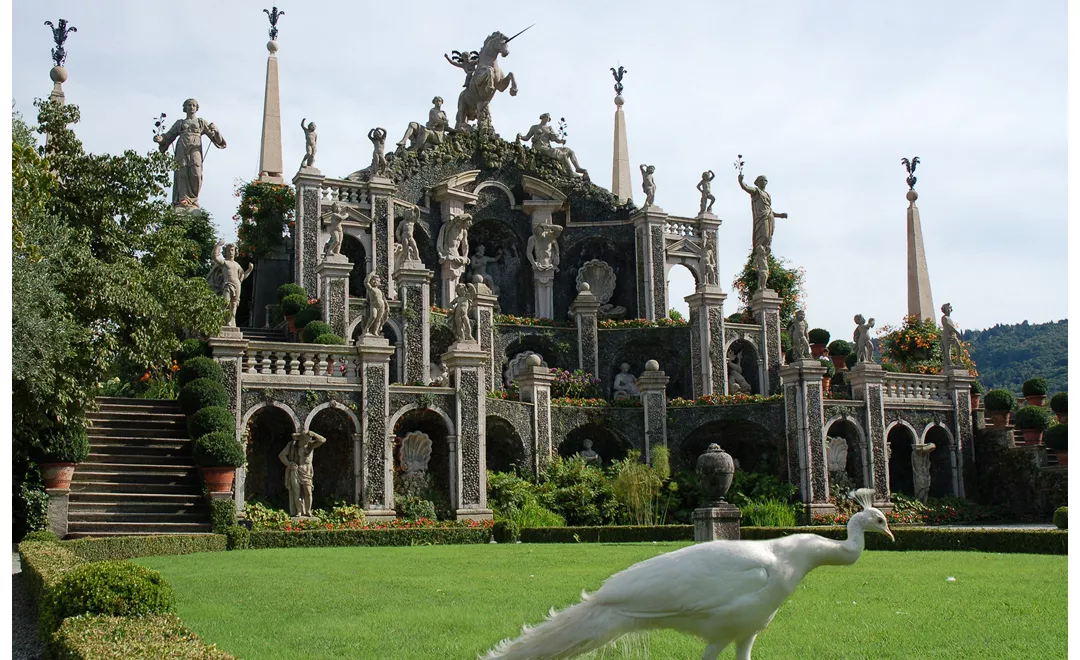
point(919, 301)
point(270, 165)
point(58, 74)
point(620, 160)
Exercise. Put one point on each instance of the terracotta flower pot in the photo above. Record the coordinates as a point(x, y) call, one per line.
point(1036, 400)
point(57, 475)
point(1063, 418)
point(291, 321)
point(817, 350)
point(826, 384)
point(218, 479)
point(976, 400)
point(999, 417)
point(1063, 457)
point(1033, 436)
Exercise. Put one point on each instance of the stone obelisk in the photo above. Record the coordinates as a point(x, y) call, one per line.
point(920, 302)
point(620, 160)
point(270, 167)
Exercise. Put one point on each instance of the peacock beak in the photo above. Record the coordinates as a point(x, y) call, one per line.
point(888, 533)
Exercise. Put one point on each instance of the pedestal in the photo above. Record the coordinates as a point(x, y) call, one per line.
point(585, 310)
point(765, 306)
point(414, 290)
point(450, 274)
point(708, 359)
point(484, 317)
point(466, 363)
point(308, 184)
point(334, 278)
point(867, 382)
point(808, 464)
point(963, 447)
point(651, 262)
point(534, 384)
point(228, 351)
point(542, 287)
point(717, 523)
point(653, 387)
point(373, 467)
point(58, 511)
point(380, 191)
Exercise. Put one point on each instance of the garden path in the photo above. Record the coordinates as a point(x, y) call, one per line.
point(24, 639)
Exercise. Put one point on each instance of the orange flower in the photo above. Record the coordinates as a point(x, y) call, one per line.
point(145, 377)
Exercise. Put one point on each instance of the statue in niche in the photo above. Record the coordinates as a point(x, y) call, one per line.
point(705, 188)
point(311, 140)
point(378, 153)
point(459, 314)
point(588, 455)
point(800, 340)
point(466, 60)
point(484, 79)
point(711, 277)
point(431, 134)
point(737, 383)
point(864, 345)
point(405, 247)
point(648, 184)
point(377, 309)
point(453, 241)
point(332, 251)
point(625, 385)
point(479, 263)
point(764, 217)
point(542, 250)
point(542, 135)
point(920, 469)
point(298, 457)
point(188, 132)
point(950, 337)
point(837, 453)
point(761, 267)
point(226, 277)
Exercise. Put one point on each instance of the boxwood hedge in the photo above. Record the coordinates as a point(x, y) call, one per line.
point(368, 537)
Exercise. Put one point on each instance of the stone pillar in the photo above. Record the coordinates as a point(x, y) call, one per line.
point(708, 359)
point(334, 294)
point(535, 387)
point(228, 351)
point(381, 191)
point(452, 202)
point(467, 366)
point(374, 463)
point(306, 246)
point(867, 382)
point(414, 290)
point(717, 523)
point(653, 387)
point(484, 317)
point(808, 464)
point(920, 301)
point(651, 262)
point(58, 511)
point(962, 453)
point(765, 306)
point(585, 309)
point(270, 168)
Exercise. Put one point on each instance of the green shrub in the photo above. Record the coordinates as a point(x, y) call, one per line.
point(505, 531)
point(67, 445)
point(369, 537)
point(44, 563)
point(341, 514)
point(200, 367)
point(675, 315)
point(237, 537)
point(977, 387)
point(264, 518)
point(1034, 418)
point(309, 314)
point(315, 328)
point(293, 303)
point(190, 348)
point(202, 393)
point(290, 289)
point(40, 536)
point(1059, 403)
point(113, 588)
point(158, 636)
point(1057, 437)
point(608, 534)
point(33, 509)
point(414, 508)
point(830, 368)
point(218, 449)
point(222, 514)
point(507, 490)
point(840, 347)
point(126, 547)
point(209, 420)
point(329, 339)
point(748, 487)
point(891, 367)
point(819, 336)
point(769, 512)
point(850, 359)
point(579, 492)
point(999, 400)
point(1040, 542)
point(1035, 387)
point(1061, 517)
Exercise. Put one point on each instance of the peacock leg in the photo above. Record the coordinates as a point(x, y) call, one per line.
point(713, 651)
point(743, 646)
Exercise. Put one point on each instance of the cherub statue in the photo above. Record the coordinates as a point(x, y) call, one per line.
point(405, 248)
point(542, 250)
point(377, 309)
point(761, 267)
point(378, 155)
point(311, 140)
point(226, 278)
point(864, 346)
point(332, 251)
point(800, 340)
point(648, 184)
point(459, 313)
point(705, 188)
point(465, 60)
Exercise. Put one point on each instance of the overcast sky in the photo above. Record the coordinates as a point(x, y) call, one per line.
point(824, 98)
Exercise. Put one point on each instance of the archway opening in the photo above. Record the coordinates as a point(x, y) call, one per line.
point(941, 477)
point(608, 444)
point(901, 475)
point(505, 449)
point(848, 460)
point(743, 360)
point(353, 249)
point(751, 445)
point(680, 283)
point(433, 425)
point(268, 431)
point(333, 462)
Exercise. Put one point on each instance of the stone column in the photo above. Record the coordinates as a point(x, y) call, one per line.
point(334, 294)
point(452, 202)
point(651, 262)
point(868, 385)
point(306, 246)
point(484, 318)
point(228, 351)
point(653, 387)
point(808, 464)
point(414, 290)
point(708, 359)
point(535, 387)
point(466, 364)
point(58, 511)
point(585, 309)
point(765, 306)
point(375, 462)
point(962, 453)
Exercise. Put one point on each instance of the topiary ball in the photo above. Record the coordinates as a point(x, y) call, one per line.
point(1059, 403)
point(218, 449)
point(111, 588)
point(819, 336)
point(190, 348)
point(850, 360)
point(839, 347)
point(308, 314)
point(999, 400)
point(1061, 517)
point(293, 303)
point(1033, 418)
point(1036, 387)
point(315, 328)
point(202, 393)
point(66, 445)
point(199, 367)
point(209, 420)
point(286, 290)
point(329, 339)
point(1057, 437)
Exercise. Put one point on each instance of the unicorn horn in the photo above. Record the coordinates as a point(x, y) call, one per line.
point(518, 34)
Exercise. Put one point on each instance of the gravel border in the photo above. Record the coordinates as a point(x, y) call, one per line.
point(24, 639)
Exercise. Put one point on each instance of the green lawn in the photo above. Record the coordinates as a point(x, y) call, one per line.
point(456, 601)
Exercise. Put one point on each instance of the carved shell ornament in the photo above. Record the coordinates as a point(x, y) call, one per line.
point(517, 365)
point(600, 277)
point(415, 452)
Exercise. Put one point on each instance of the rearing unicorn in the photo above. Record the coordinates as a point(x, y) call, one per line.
point(486, 79)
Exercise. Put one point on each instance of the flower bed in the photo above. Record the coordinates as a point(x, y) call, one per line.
point(468, 531)
point(612, 324)
point(722, 400)
point(510, 319)
point(397, 523)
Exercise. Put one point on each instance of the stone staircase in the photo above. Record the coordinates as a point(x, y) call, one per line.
point(140, 477)
point(264, 334)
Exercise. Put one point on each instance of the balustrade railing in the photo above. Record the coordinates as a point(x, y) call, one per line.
point(271, 361)
point(344, 191)
point(684, 229)
point(917, 387)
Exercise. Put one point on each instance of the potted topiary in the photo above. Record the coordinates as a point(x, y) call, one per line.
point(1059, 403)
point(201, 393)
point(290, 306)
point(313, 329)
point(218, 454)
point(1033, 420)
point(62, 449)
point(1061, 517)
point(999, 403)
point(1035, 390)
point(850, 359)
point(830, 371)
point(977, 390)
point(819, 337)
point(838, 351)
point(1057, 438)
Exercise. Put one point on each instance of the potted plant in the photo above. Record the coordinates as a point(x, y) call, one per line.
point(1035, 390)
point(830, 371)
point(62, 449)
point(290, 305)
point(819, 337)
point(977, 390)
point(1059, 403)
point(999, 403)
point(1057, 438)
point(1033, 420)
point(218, 454)
point(838, 351)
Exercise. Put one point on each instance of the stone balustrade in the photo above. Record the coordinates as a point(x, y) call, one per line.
point(344, 191)
point(280, 363)
point(682, 229)
point(917, 388)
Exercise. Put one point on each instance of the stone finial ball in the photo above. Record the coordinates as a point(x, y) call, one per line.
point(912, 195)
point(272, 46)
point(584, 286)
point(652, 365)
point(533, 361)
point(619, 100)
point(58, 74)
point(478, 279)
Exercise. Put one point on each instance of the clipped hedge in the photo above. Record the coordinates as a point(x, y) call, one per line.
point(223, 516)
point(44, 563)
point(607, 534)
point(202, 393)
point(126, 547)
point(190, 348)
point(329, 339)
point(999, 400)
point(1059, 403)
point(368, 537)
point(840, 347)
point(1034, 418)
point(67, 445)
point(819, 336)
point(160, 636)
point(313, 329)
point(1061, 517)
point(114, 588)
point(1035, 387)
point(200, 367)
point(293, 303)
point(1038, 542)
point(218, 449)
point(307, 314)
point(209, 420)
point(290, 289)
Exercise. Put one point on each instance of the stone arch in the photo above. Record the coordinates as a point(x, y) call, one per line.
point(900, 436)
point(337, 406)
point(942, 471)
point(664, 348)
point(436, 424)
point(541, 344)
point(506, 450)
point(749, 443)
point(396, 417)
point(609, 443)
point(333, 462)
point(749, 361)
point(268, 427)
point(492, 183)
point(602, 248)
point(858, 458)
point(263, 404)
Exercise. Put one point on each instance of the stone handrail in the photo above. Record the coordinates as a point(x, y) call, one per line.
point(686, 229)
point(344, 191)
point(284, 362)
point(932, 388)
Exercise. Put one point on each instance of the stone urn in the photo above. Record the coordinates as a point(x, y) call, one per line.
point(57, 475)
point(715, 470)
point(218, 479)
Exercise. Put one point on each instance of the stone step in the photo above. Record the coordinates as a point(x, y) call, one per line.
point(101, 485)
point(142, 499)
point(136, 422)
point(173, 431)
point(81, 529)
point(150, 476)
point(122, 458)
point(84, 515)
point(136, 415)
point(153, 451)
point(144, 405)
point(132, 441)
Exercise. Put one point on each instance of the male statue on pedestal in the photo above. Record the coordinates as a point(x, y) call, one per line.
point(188, 132)
point(226, 277)
point(311, 142)
point(764, 217)
point(920, 468)
point(542, 250)
point(950, 337)
point(800, 340)
point(298, 457)
point(377, 309)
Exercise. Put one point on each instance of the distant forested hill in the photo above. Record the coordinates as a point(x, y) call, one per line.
point(1007, 355)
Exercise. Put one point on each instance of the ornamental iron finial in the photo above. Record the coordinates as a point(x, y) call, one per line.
point(910, 166)
point(60, 34)
point(274, 15)
point(618, 79)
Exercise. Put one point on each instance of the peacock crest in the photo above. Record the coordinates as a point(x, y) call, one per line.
point(415, 452)
point(864, 496)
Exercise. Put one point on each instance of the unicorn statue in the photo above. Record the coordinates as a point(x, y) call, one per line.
point(483, 81)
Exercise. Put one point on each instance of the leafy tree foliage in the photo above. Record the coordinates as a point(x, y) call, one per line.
point(1008, 355)
point(786, 282)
